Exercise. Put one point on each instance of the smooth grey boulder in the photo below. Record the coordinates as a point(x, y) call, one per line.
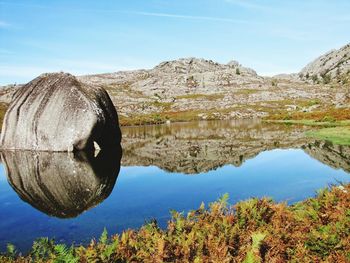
point(56, 112)
point(62, 184)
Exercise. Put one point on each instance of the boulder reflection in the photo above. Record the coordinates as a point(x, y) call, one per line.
point(62, 184)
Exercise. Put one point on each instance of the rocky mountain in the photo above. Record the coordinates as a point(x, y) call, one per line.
point(333, 64)
point(181, 77)
point(193, 88)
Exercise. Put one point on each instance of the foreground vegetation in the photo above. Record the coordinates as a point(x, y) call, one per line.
point(256, 230)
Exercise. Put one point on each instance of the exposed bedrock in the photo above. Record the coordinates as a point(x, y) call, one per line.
point(56, 112)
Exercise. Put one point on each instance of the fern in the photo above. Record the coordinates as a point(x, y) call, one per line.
point(64, 254)
point(104, 237)
point(108, 251)
point(42, 248)
point(11, 250)
point(257, 238)
point(223, 200)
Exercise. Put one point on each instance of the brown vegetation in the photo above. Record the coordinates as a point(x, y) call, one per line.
point(256, 230)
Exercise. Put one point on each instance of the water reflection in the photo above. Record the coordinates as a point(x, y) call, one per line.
point(62, 184)
point(197, 147)
point(335, 156)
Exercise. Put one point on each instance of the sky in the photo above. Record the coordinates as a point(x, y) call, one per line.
point(88, 36)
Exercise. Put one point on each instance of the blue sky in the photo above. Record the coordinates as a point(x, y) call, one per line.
point(84, 37)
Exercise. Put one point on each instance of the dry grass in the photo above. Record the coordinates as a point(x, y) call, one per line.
point(327, 115)
point(246, 91)
point(3, 109)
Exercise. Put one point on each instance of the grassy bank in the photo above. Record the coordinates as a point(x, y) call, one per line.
point(312, 122)
point(337, 135)
point(334, 124)
point(256, 230)
point(329, 115)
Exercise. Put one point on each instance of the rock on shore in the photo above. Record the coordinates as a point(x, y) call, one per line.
point(56, 112)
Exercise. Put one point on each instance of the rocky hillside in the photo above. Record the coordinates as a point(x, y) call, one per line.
point(192, 88)
point(178, 85)
point(334, 64)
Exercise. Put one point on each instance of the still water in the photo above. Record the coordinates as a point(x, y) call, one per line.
point(73, 197)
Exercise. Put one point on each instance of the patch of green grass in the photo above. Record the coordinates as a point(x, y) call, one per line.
point(313, 102)
point(321, 115)
point(163, 105)
point(325, 123)
point(210, 97)
point(246, 91)
point(337, 132)
point(337, 135)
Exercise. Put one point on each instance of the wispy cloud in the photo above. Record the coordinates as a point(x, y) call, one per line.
point(250, 5)
point(191, 17)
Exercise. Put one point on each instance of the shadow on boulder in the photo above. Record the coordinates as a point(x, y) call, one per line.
point(62, 184)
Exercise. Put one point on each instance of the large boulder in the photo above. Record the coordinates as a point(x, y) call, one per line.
point(62, 184)
point(56, 112)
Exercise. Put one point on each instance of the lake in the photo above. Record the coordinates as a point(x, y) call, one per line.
point(72, 197)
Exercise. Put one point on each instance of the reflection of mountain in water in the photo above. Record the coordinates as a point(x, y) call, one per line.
point(335, 156)
point(61, 184)
point(202, 146)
